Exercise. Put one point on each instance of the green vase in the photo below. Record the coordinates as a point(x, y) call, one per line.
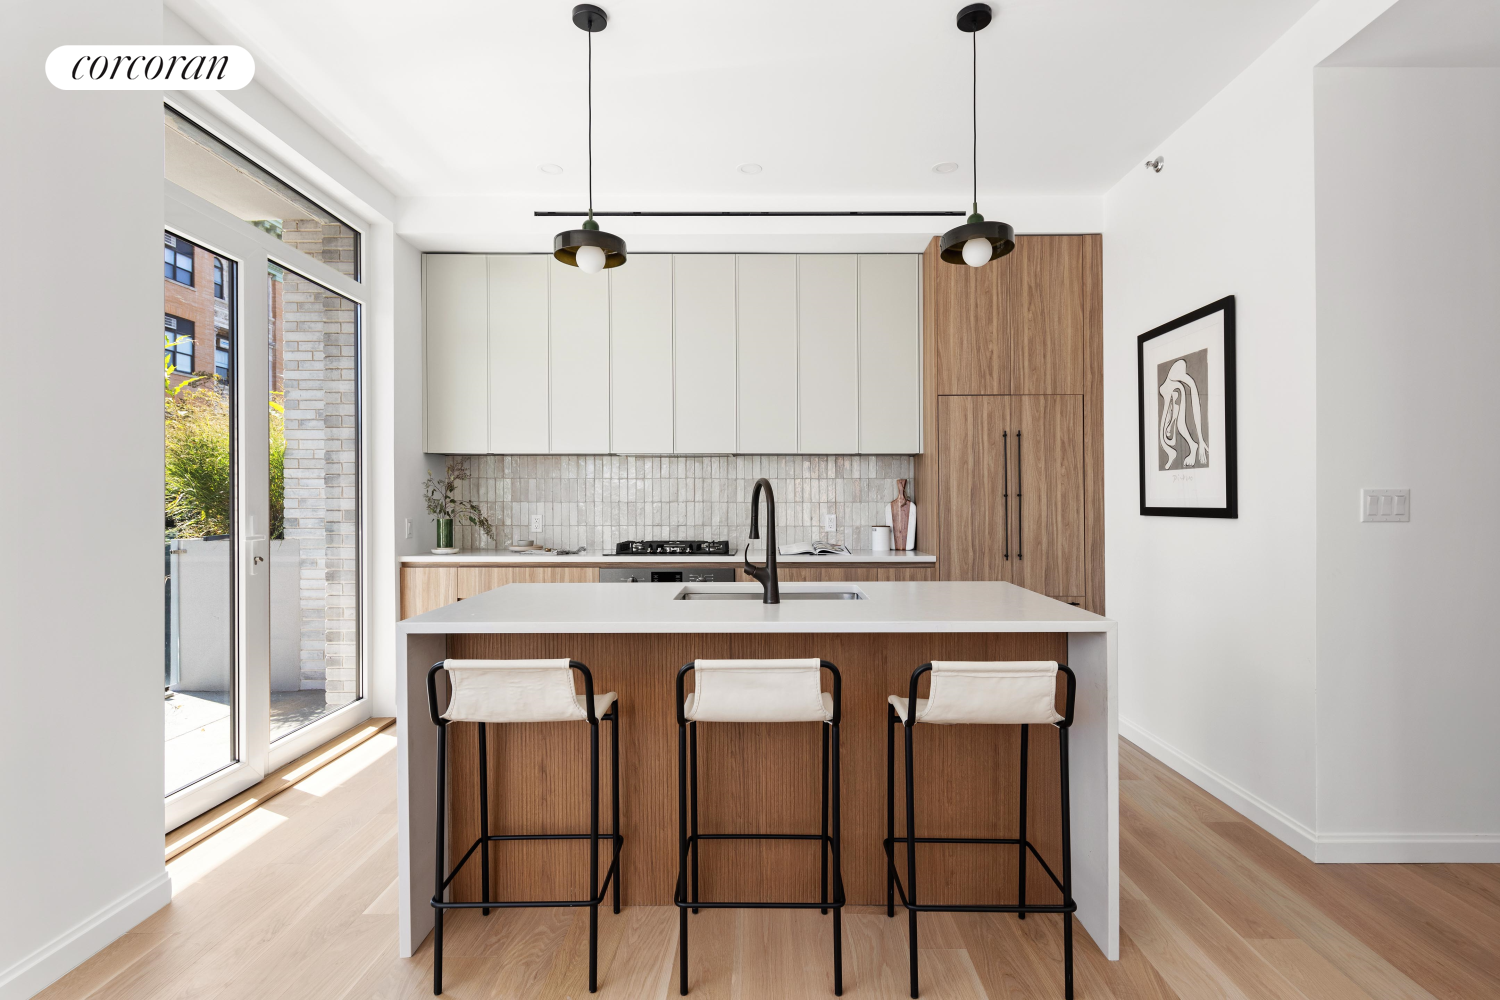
point(445, 532)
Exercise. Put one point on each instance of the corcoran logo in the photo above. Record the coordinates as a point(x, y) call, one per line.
point(150, 67)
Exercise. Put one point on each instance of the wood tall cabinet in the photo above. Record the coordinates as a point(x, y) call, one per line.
point(1013, 489)
point(1012, 461)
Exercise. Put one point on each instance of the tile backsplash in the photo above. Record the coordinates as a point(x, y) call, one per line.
point(598, 500)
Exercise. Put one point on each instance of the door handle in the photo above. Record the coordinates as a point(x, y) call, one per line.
point(1020, 521)
point(255, 552)
point(1005, 484)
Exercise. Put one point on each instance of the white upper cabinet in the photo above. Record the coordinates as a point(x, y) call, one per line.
point(703, 333)
point(767, 353)
point(579, 365)
point(640, 354)
point(518, 354)
point(828, 354)
point(890, 354)
point(457, 394)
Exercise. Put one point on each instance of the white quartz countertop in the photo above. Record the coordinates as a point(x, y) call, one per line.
point(650, 607)
point(494, 557)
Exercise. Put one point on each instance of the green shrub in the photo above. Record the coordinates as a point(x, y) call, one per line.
point(198, 494)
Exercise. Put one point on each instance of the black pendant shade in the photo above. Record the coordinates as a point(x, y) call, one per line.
point(1002, 238)
point(565, 245)
point(951, 247)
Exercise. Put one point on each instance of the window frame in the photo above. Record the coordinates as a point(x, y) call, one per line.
point(192, 354)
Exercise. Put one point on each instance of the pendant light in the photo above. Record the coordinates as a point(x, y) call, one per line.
point(589, 249)
point(976, 242)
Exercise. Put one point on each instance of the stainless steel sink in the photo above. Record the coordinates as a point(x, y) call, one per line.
point(738, 592)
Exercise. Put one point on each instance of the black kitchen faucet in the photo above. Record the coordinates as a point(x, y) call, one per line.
point(765, 574)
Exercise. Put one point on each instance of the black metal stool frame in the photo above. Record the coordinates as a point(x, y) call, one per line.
point(1020, 908)
point(611, 876)
point(687, 773)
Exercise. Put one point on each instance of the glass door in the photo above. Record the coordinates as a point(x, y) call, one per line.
point(262, 511)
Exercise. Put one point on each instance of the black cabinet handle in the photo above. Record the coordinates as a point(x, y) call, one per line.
point(1005, 484)
point(1020, 529)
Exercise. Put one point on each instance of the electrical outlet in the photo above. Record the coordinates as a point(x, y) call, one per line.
point(830, 522)
point(408, 527)
point(536, 525)
point(1385, 505)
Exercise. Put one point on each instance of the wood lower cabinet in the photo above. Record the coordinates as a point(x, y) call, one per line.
point(1012, 492)
point(855, 574)
point(477, 579)
point(426, 588)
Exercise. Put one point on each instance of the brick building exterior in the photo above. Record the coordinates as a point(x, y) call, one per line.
point(196, 297)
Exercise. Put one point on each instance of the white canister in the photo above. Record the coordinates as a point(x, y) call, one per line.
point(880, 538)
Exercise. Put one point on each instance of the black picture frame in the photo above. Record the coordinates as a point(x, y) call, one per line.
point(1229, 447)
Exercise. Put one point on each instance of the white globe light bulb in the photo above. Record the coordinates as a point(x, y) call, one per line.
point(977, 252)
point(591, 259)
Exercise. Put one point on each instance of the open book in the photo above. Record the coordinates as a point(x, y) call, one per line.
point(812, 549)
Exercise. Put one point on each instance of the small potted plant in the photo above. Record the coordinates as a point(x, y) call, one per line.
point(444, 507)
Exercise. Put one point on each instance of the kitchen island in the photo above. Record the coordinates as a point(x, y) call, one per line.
point(761, 778)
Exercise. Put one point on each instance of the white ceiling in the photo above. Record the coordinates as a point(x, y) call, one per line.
point(845, 106)
point(1436, 33)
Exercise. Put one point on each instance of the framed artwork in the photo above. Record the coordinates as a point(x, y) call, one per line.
point(1187, 411)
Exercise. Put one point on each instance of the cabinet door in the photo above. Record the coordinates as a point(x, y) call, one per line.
point(1048, 465)
point(890, 363)
point(974, 444)
point(828, 354)
point(703, 333)
point(977, 311)
point(474, 580)
point(426, 588)
point(767, 351)
point(454, 292)
point(1062, 314)
point(518, 411)
point(578, 345)
point(640, 354)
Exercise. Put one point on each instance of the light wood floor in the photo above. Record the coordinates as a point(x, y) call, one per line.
point(298, 900)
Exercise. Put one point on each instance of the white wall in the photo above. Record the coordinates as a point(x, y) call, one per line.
point(1218, 634)
point(1408, 208)
point(80, 499)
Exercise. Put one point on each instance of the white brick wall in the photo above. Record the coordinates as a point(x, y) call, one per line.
point(319, 330)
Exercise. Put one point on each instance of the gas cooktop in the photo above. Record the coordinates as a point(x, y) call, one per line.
point(672, 548)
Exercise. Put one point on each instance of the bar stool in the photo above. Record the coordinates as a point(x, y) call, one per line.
point(757, 691)
point(1020, 693)
point(497, 691)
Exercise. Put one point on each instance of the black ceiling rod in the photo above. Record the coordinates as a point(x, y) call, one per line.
point(748, 214)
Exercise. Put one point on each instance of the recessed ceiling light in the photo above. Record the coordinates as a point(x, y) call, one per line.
point(749, 168)
point(944, 168)
point(550, 168)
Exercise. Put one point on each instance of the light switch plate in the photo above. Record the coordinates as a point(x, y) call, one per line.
point(830, 522)
point(536, 524)
point(1385, 505)
point(408, 527)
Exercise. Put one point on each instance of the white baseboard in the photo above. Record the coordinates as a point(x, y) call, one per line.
point(70, 949)
point(1409, 848)
point(1324, 848)
point(1257, 810)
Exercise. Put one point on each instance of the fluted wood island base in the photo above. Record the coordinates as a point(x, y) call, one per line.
point(761, 778)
